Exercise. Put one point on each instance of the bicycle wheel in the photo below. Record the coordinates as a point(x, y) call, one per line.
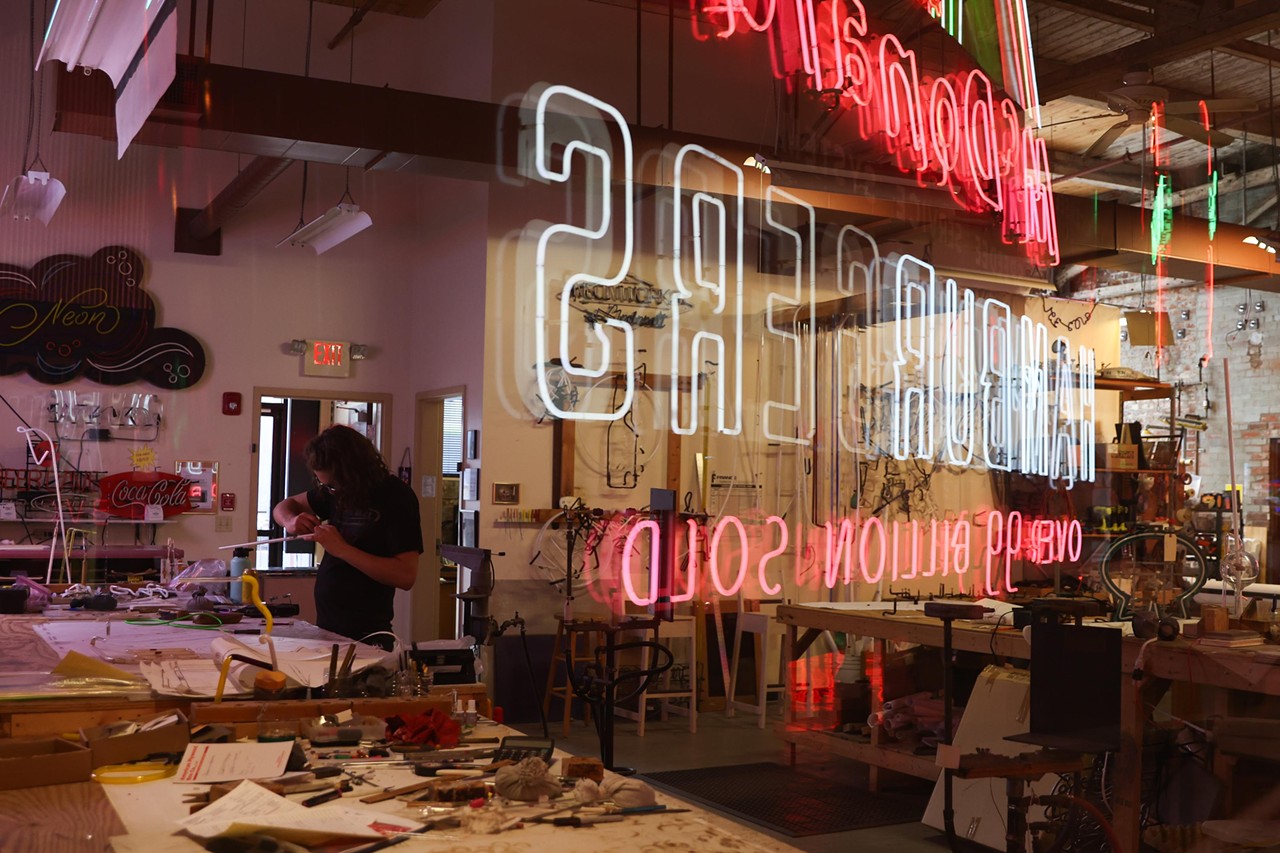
point(553, 555)
point(1144, 571)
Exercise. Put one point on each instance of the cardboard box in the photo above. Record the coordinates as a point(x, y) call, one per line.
point(47, 761)
point(122, 749)
point(1118, 457)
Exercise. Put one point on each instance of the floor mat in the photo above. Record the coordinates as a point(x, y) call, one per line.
point(789, 801)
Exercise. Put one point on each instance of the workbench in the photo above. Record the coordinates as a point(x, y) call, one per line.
point(22, 650)
point(1164, 664)
point(141, 818)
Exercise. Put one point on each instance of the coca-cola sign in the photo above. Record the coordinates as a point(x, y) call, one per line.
point(129, 493)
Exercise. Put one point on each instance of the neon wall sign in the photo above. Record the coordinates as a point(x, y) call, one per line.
point(978, 551)
point(953, 131)
point(973, 384)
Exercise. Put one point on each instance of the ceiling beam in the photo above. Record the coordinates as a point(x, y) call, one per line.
point(1246, 49)
point(1167, 45)
point(1106, 10)
point(1262, 209)
point(1124, 173)
point(1226, 184)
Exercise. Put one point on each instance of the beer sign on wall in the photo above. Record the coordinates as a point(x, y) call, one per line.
point(71, 316)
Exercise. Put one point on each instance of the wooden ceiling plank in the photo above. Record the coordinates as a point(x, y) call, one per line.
point(1105, 10)
point(1174, 43)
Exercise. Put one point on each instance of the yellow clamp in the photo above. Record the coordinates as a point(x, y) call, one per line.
point(131, 774)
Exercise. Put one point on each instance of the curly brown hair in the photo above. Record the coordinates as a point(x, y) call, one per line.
point(353, 460)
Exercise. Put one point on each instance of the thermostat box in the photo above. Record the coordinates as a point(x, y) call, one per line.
point(1119, 457)
point(47, 761)
point(123, 748)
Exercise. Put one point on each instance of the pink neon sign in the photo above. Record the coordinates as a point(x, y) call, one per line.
point(950, 131)
point(857, 550)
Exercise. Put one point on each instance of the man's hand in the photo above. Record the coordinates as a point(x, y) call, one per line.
point(328, 537)
point(301, 524)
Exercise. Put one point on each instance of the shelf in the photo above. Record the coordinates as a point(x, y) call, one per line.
point(1135, 471)
point(94, 552)
point(106, 519)
point(890, 756)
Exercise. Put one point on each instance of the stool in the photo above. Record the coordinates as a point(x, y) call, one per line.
point(565, 654)
point(686, 628)
point(762, 627)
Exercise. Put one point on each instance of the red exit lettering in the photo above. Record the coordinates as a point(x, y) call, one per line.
point(326, 354)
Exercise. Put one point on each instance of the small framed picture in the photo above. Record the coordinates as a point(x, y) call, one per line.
point(471, 484)
point(468, 525)
point(473, 444)
point(506, 493)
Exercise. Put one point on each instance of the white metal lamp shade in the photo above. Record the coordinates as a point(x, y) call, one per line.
point(338, 223)
point(32, 196)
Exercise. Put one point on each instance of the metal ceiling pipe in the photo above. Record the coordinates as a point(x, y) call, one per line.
point(236, 195)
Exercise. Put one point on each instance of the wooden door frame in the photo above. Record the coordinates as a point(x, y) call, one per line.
point(428, 460)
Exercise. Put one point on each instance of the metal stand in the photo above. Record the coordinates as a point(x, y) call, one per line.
point(948, 612)
point(598, 685)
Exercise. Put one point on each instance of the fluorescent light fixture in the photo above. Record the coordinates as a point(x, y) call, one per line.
point(32, 196)
point(1252, 240)
point(134, 42)
point(337, 224)
point(101, 34)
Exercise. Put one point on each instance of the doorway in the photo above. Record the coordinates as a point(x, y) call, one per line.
point(438, 450)
point(286, 420)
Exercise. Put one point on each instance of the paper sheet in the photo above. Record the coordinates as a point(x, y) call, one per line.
point(252, 808)
point(195, 678)
point(304, 661)
point(225, 762)
point(76, 665)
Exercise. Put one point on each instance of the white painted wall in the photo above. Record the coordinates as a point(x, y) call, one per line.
point(410, 286)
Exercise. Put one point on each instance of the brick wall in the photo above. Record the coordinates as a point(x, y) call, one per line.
point(1255, 377)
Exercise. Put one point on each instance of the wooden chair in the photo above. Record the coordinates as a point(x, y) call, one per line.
point(568, 649)
point(765, 632)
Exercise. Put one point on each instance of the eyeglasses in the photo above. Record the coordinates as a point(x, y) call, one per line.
point(328, 487)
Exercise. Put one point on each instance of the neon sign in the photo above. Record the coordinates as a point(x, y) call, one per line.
point(950, 131)
point(967, 373)
point(976, 550)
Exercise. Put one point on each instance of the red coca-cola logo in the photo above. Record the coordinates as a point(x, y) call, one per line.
point(128, 493)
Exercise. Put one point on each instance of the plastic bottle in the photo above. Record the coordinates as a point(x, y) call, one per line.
point(470, 718)
point(239, 562)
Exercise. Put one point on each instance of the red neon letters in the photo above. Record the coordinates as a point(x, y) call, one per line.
point(950, 131)
point(857, 550)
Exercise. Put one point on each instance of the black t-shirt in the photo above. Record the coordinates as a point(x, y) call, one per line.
point(349, 602)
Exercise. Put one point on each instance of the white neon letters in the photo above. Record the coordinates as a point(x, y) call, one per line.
point(600, 172)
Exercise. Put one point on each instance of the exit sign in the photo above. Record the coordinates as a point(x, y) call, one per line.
point(326, 358)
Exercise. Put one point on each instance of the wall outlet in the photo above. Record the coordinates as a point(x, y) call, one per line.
point(222, 524)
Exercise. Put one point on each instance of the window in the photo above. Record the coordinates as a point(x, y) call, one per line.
point(452, 444)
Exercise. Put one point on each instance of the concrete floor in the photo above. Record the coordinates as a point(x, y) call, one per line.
point(722, 740)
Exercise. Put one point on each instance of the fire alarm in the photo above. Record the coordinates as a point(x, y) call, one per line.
point(231, 403)
point(227, 501)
